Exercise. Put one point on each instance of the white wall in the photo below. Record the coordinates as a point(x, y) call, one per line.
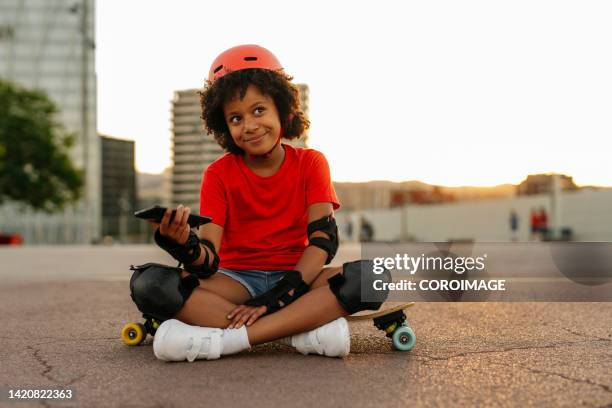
point(588, 213)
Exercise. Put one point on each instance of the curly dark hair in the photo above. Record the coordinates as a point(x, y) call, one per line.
point(277, 85)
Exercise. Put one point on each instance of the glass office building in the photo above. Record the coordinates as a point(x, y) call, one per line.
point(50, 45)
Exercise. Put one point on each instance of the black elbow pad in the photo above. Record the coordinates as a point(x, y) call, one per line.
point(328, 226)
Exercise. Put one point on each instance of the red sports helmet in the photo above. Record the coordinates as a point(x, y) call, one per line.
point(242, 57)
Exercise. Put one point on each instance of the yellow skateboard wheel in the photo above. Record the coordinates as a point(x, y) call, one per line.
point(133, 334)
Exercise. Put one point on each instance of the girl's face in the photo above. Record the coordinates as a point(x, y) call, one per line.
point(253, 121)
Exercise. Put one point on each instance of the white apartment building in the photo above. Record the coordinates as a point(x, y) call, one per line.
point(193, 150)
point(50, 45)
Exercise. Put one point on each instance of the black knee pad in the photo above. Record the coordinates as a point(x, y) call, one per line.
point(159, 291)
point(354, 288)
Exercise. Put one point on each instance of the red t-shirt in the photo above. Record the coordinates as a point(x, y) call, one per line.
point(264, 219)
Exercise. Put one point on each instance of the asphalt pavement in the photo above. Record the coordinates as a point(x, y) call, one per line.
point(62, 310)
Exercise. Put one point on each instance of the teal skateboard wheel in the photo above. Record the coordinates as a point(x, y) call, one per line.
point(404, 338)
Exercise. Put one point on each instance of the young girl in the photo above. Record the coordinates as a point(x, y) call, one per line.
point(255, 273)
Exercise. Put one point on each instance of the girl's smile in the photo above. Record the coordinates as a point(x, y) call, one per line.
point(257, 138)
point(253, 122)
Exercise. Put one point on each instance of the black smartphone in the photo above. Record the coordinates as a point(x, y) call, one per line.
point(156, 213)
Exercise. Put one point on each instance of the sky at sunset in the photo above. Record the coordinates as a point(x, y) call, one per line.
point(454, 93)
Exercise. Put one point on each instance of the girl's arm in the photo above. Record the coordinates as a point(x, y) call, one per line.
point(313, 259)
point(177, 239)
point(213, 233)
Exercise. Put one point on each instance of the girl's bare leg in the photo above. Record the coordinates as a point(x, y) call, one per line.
point(225, 287)
point(312, 310)
point(205, 308)
point(211, 302)
point(209, 306)
point(325, 274)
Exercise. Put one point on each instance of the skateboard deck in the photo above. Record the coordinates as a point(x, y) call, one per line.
point(379, 313)
point(393, 322)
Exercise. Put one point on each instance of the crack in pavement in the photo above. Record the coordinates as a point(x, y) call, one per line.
point(504, 350)
point(586, 336)
point(47, 367)
point(605, 387)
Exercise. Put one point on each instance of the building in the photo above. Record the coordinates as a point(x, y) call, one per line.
point(543, 184)
point(154, 189)
point(192, 152)
point(118, 189)
point(435, 195)
point(387, 194)
point(50, 45)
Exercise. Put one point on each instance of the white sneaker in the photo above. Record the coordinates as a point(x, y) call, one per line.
point(177, 341)
point(331, 340)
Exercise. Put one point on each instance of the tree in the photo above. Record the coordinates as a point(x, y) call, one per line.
point(35, 167)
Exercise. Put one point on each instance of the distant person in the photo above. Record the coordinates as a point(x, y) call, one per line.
point(272, 231)
point(349, 229)
point(366, 234)
point(543, 224)
point(514, 224)
point(534, 230)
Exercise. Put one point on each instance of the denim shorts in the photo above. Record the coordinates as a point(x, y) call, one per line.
point(255, 281)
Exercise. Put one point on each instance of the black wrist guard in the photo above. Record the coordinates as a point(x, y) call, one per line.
point(186, 254)
point(279, 297)
point(205, 270)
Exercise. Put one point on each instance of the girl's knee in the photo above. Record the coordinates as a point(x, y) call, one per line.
point(324, 275)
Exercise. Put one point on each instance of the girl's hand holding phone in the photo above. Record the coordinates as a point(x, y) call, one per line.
point(178, 229)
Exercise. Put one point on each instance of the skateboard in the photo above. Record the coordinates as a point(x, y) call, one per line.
point(133, 334)
point(393, 322)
